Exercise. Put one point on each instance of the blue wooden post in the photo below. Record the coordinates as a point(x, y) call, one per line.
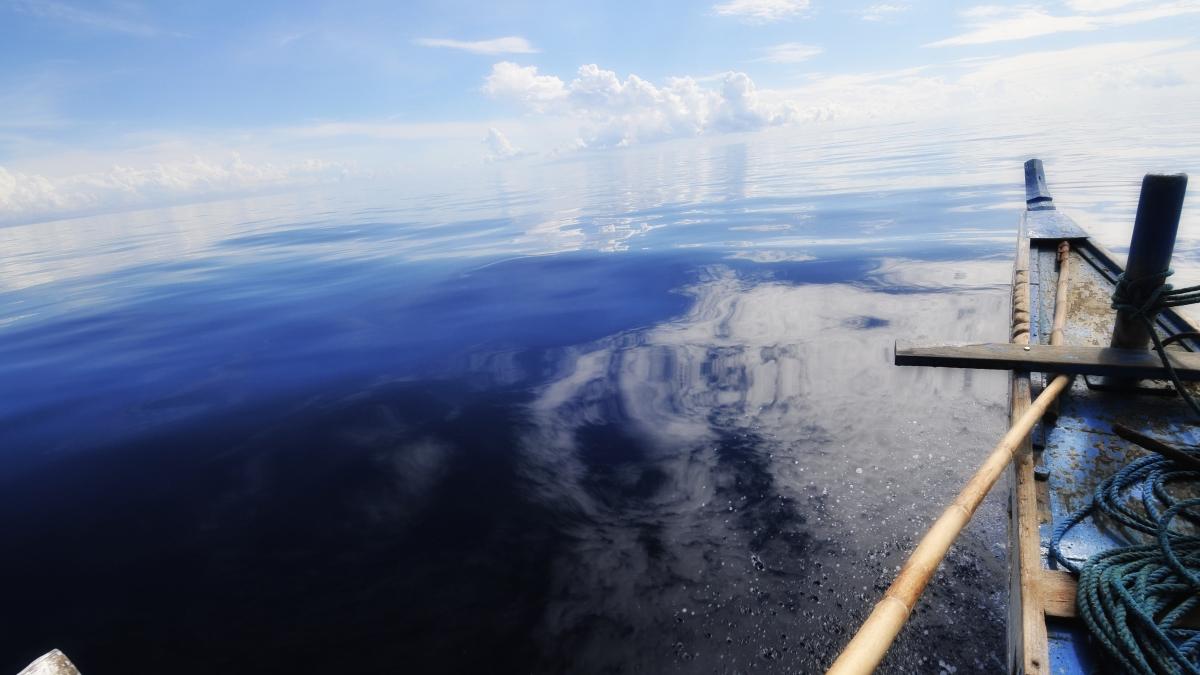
point(1037, 195)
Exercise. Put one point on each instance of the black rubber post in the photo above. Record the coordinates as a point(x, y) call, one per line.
point(1150, 250)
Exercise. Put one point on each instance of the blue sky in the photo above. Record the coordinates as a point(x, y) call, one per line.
point(126, 103)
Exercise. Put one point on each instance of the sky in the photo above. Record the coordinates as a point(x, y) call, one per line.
point(120, 104)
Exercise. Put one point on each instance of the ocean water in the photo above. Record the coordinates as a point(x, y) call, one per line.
point(619, 412)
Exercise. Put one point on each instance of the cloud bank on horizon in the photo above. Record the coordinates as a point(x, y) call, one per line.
point(127, 105)
point(128, 187)
point(618, 113)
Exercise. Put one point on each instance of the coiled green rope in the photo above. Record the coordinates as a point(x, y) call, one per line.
point(1134, 598)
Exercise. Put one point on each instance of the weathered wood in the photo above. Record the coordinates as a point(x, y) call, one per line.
point(1019, 401)
point(1035, 639)
point(1141, 364)
point(1057, 590)
point(1155, 445)
point(1020, 291)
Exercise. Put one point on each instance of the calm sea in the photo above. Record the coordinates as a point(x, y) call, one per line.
point(619, 412)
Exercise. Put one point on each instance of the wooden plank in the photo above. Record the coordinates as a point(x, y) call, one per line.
point(1029, 643)
point(1036, 641)
point(1066, 359)
point(1058, 593)
point(1183, 459)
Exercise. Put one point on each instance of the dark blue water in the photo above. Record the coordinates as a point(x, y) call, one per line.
point(631, 412)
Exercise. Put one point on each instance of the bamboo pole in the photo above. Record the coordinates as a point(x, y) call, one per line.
point(1060, 310)
point(871, 642)
point(1060, 295)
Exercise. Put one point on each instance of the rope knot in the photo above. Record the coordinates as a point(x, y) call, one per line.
point(1128, 290)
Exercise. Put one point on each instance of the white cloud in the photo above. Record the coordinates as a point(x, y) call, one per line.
point(1100, 5)
point(509, 80)
point(30, 195)
point(597, 108)
point(504, 45)
point(619, 112)
point(990, 23)
point(1104, 71)
point(994, 23)
point(1102, 76)
point(762, 11)
point(500, 148)
point(882, 10)
point(790, 52)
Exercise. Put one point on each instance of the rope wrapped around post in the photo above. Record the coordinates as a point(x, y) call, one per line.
point(1160, 296)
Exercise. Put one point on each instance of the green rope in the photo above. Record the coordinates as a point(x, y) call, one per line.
point(1133, 598)
point(1161, 296)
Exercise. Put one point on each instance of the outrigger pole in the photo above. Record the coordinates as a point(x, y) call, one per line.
point(872, 640)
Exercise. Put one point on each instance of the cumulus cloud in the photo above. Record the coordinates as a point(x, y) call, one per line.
point(509, 80)
point(790, 52)
point(500, 148)
point(993, 23)
point(762, 11)
point(621, 112)
point(25, 196)
point(504, 45)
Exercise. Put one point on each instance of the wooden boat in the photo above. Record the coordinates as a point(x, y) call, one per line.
point(1084, 380)
point(1068, 458)
point(1065, 458)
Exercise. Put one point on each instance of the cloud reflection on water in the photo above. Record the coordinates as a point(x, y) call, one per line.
point(706, 463)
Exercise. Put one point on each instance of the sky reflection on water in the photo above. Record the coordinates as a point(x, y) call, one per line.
point(628, 413)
